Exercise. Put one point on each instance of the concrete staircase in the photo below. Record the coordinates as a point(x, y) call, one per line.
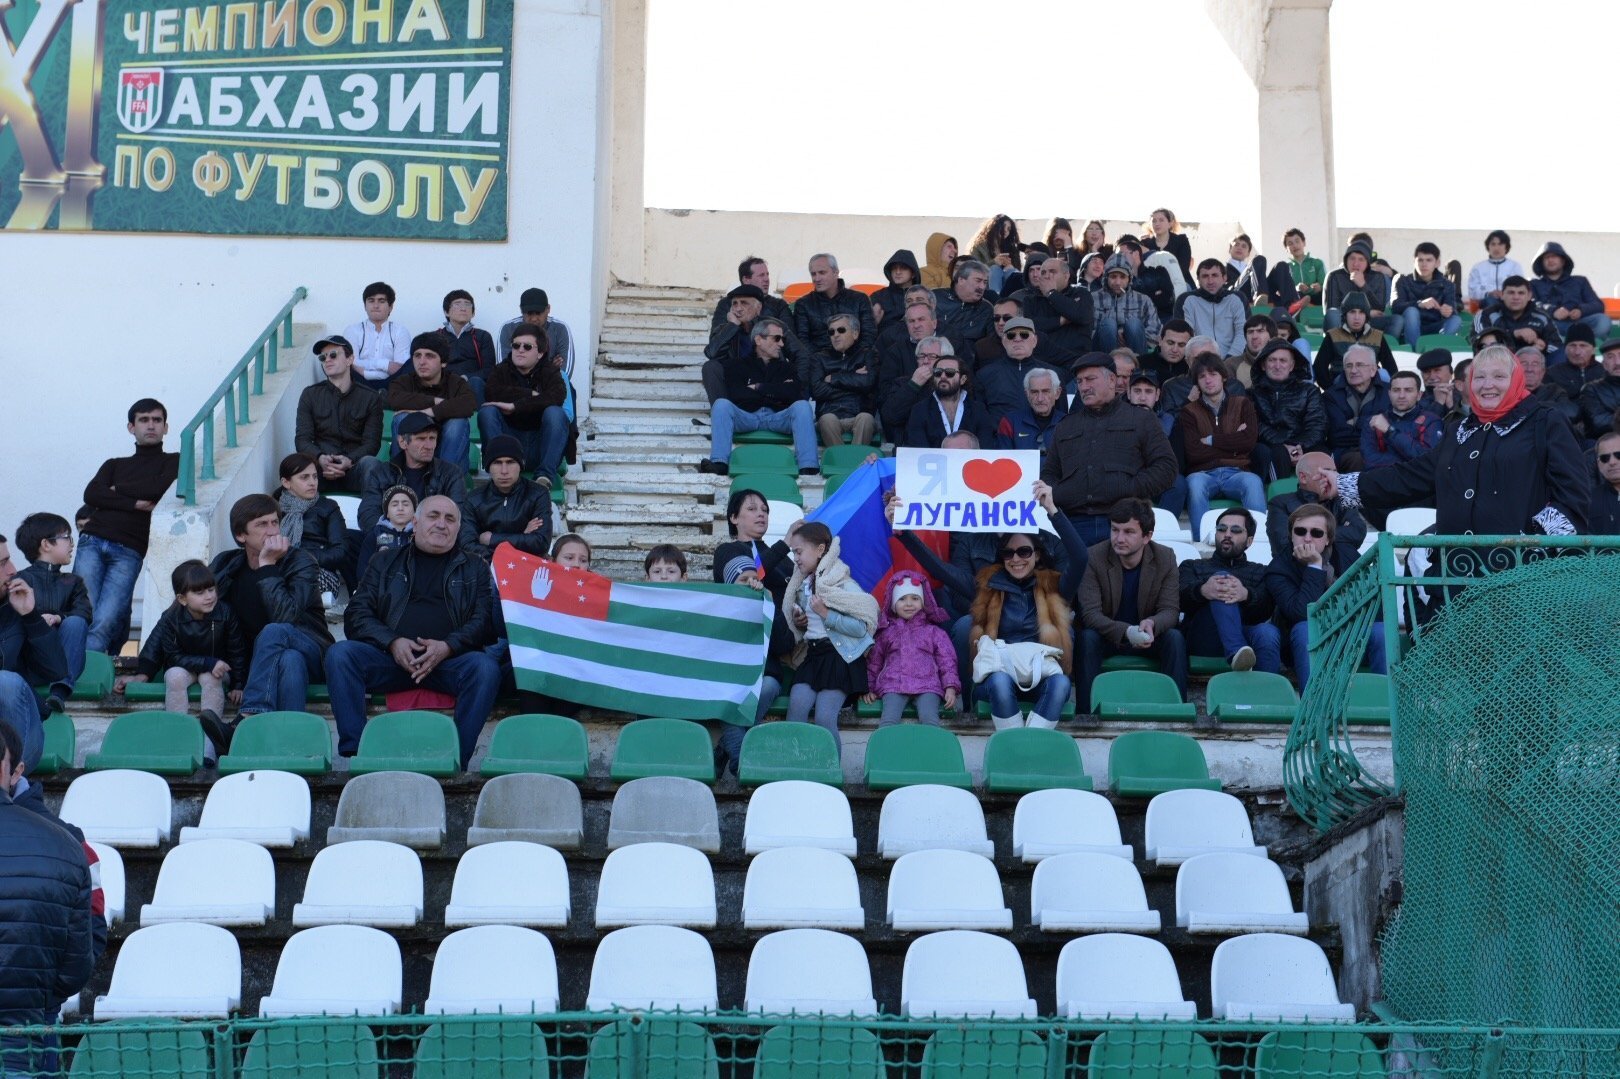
point(637, 484)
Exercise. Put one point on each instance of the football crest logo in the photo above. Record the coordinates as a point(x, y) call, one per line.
point(140, 98)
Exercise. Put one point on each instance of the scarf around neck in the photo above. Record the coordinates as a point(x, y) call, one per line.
point(293, 509)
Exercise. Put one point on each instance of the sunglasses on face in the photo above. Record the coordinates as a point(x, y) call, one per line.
point(331, 354)
point(839, 329)
point(778, 338)
point(1025, 551)
point(1003, 318)
point(947, 372)
point(1019, 335)
point(524, 346)
point(1314, 533)
point(1605, 458)
point(1236, 530)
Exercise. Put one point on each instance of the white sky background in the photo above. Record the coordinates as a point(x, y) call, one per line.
point(907, 107)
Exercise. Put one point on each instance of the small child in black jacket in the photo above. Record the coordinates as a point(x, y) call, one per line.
point(60, 596)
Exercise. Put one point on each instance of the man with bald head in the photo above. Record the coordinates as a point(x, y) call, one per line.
point(1350, 528)
point(422, 616)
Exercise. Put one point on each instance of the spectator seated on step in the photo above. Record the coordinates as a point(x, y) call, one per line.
point(382, 347)
point(753, 271)
point(60, 597)
point(843, 383)
point(509, 508)
point(828, 297)
point(525, 400)
point(429, 389)
point(762, 393)
point(1225, 607)
point(1425, 299)
point(339, 419)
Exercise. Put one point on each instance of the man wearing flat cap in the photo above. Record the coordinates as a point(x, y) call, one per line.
point(413, 464)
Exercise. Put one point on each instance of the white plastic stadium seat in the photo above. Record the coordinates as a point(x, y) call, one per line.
point(811, 972)
point(391, 807)
point(1114, 975)
point(111, 866)
point(1409, 521)
point(1184, 551)
point(784, 515)
point(349, 506)
point(509, 883)
point(658, 967)
point(798, 813)
point(1270, 978)
point(1235, 893)
point(789, 887)
point(493, 968)
point(963, 973)
point(183, 971)
point(120, 807)
point(365, 882)
point(929, 816)
point(1167, 527)
point(656, 884)
point(336, 970)
point(221, 881)
point(1259, 551)
point(1066, 821)
point(1090, 893)
point(946, 889)
point(1183, 824)
point(664, 809)
point(267, 808)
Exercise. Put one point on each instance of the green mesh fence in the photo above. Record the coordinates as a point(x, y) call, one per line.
point(731, 1046)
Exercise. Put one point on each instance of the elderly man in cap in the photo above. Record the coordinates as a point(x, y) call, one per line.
point(1104, 450)
point(339, 420)
point(429, 387)
point(754, 271)
point(1030, 427)
point(1001, 382)
point(1434, 366)
point(534, 309)
point(414, 464)
point(1578, 369)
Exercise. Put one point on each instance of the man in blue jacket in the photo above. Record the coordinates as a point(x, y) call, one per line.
point(1563, 295)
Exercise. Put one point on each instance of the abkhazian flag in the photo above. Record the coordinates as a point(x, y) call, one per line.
point(684, 651)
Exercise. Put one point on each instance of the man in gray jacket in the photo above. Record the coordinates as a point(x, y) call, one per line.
point(1213, 309)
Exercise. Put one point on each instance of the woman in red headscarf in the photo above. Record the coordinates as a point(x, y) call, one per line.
point(1511, 466)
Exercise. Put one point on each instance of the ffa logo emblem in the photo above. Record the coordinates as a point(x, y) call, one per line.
point(140, 98)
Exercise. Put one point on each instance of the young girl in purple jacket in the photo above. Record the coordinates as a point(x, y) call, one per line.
point(913, 658)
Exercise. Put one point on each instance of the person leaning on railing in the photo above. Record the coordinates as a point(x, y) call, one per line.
point(1512, 466)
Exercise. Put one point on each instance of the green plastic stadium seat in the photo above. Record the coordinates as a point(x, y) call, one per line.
point(984, 1053)
point(329, 1051)
point(774, 486)
point(672, 1050)
point(1369, 699)
point(1449, 341)
point(1310, 317)
point(1207, 666)
point(1342, 1055)
point(1251, 697)
point(386, 450)
point(834, 481)
point(553, 745)
point(819, 1052)
point(483, 1050)
point(749, 460)
point(1151, 1054)
point(1138, 695)
point(144, 692)
point(1129, 663)
point(774, 751)
point(61, 743)
point(663, 747)
point(424, 742)
point(173, 1054)
point(97, 680)
point(167, 743)
point(1026, 759)
point(911, 753)
point(280, 741)
point(1285, 486)
point(1145, 763)
point(981, 708)
point(845, 459)
point(761, 438)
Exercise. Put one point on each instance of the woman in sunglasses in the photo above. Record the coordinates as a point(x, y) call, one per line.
point(1297, 578)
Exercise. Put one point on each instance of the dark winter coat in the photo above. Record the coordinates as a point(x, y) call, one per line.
point(1232, 434)
point(472, 353)
point(326, 535)
point(379, 603)
point(1339, 285)
point(1574, 380)
point(843, 384)
point(1410, 288)
point(1065, 320)
point(970, 321)
point(753, 384)
point(1500, 318)
point(1598, 403)
point(505, 516)
point(1350, 528)
point(1603, 516)
point(1567, 290)
point(1329, 363)
point(408, 393)
point(443, 478)
point(345, 424)
point(1101, 456)
point(892, 297)
point(529, 394)
point(46, 938)
point(31, 648)
point(1195, 572)
point(195, 644)
point(1000, 384)
point(57, 590)
point(1409, 437)
point(1289, 412)
point(1347, 418)
point(925, 427)
point(290, 590)
point(1021, 429)
point(1294, 587)
point(812, 311)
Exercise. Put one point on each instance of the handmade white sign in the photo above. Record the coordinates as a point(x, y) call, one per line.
point(969, 490)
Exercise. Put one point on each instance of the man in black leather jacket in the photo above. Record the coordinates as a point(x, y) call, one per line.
point(422, 617)
point(509, 508)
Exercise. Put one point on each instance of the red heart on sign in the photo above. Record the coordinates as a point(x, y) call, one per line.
point(991, 478)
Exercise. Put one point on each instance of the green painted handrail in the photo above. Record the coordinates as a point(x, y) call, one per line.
point(234, 391)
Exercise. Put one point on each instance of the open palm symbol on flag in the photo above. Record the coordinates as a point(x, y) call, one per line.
point(541, 586)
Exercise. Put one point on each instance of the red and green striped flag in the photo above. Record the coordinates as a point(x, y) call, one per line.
point(685, 651)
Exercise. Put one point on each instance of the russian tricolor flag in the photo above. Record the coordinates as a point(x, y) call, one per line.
point(855, 515)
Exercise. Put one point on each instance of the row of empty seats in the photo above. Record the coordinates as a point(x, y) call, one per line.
point(349, 970)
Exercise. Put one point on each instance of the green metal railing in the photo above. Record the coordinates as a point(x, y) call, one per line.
point(1324, 781)
point(243, 382)
point(626, 1045)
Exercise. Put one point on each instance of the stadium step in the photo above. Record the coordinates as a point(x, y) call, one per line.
point(667, 486)
point(652, 514)
point(689, 375)
point(672, 319)
point(694, 339)
point(685, 405)
point(613, 359)
point(631, 308)
point(663, 292)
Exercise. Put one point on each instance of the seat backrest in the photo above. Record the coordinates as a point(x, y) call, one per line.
point(510, 874)
point(180, 959)
point(258, 799)
point(914, 747)
point(1284, 1054)
point(1085, 881)
point(664, 809)
point(804, 1052)
point(783, 750)
point(532, 802)
point(113, 885)
point(339, 962)
point(676, 747)
point(1065, 816)
point(281, 735)
point(1156, 753)
point(749, 460)
point(1224, 881)
point(964, 965)
point(944, 879)
point(930, 813)
point(1145, 1053)
point(800, 878)
point(171, 1053)
point(365, 871)
point(391, 800)
point(497, 1049)
point(1133, 687)
point(1125, 967)
point(669, 1049)
point(1194, 818)
point(494, 962)
point(662, 875)
point(1251, 687)
point(1030, 751)
point(652, 966)
point(808, 970)
point(118, 798)
point(411, 734)
point(798, 813)
point(141, 734)
point(216, 872)
point(1409, 521)
point(1369, 691)
point(335, 1051)
point(1270, 968)
point(846, 458)
point(540, 742)
point(984, 1052)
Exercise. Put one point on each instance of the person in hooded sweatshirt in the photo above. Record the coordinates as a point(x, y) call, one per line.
point(1486, 277)
point(901, 272)
point(940, 252)
point(912, 660)
point(1213, 310)
point(1123, 314)
point(1357, 275)
point(1565, 296)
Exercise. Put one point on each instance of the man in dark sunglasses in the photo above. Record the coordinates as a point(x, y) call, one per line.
point(1349, 527)
point(1225, 605)
point(339, 419)
point(829, 297)
point(1604, 516)
point(762, 393)
point(1001, 383)
point(950, 409)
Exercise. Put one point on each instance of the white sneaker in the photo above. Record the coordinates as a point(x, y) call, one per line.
point(1243, 659)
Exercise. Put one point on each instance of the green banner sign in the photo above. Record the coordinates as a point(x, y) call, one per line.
point(373, 118)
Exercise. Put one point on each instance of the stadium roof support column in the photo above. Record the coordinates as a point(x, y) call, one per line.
point(628, 115)
point(1283, 44)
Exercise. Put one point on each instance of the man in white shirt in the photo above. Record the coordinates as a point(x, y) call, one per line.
point(381, 347)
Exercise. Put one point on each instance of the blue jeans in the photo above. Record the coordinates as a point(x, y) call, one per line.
point(1107, 338)
point(1600, 324)
point(798, 420)
point(1002, 693)
point(109, 570)
point(355, 668)
point(1093, 529)
point(1299, 640)
point(542, 448)
point(455, 440)
point(1168, 648)
point(728, 753)
point(1175, 499)
point(285, 660)
point(73, 632)
point(1226, 482)
point(1217, 629)
point(20, 708)
point(1412, 325)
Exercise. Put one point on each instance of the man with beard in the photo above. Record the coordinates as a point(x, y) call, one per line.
point(1225, 608)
